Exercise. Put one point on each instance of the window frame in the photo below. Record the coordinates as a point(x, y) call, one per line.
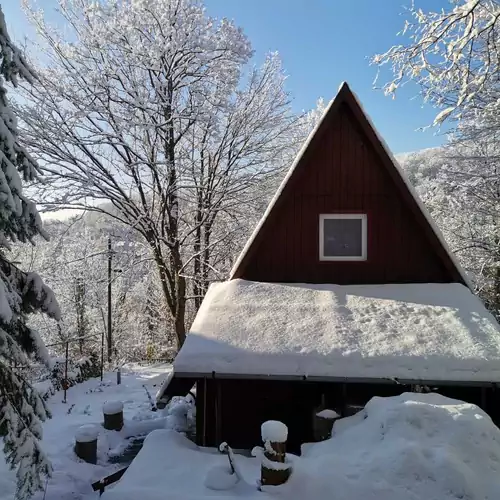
point(364, 237)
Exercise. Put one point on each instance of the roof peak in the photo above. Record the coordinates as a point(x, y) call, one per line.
point(345, 96)
point(343, 85)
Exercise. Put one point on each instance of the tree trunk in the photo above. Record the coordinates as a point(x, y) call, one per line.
point(152, 315)
point(174, 289)
point(180, 325)
point(206, 256)
point(197, 292)
point(180, 299)
point(80, 306)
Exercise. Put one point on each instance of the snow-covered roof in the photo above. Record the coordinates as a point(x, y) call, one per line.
point(427, 332)
point(345, 88)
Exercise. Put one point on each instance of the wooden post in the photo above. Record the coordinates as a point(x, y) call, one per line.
point(110, 322)
point(323, 424)
point(204, 423)
point(113, 415)
point(102, 355)
point(274, 468)
point(86, 443)
point(484, 399)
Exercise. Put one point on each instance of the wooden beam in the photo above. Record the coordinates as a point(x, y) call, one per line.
point(204, 412)
point(218, 413)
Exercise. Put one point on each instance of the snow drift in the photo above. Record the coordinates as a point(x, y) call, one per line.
point(411, 447)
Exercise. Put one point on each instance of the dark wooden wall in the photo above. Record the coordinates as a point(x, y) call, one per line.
point(343, 173)
point(235, 409)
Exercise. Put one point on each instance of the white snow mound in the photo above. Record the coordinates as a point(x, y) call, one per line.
point(408, 447)
point(220, 478)
point(412, 446)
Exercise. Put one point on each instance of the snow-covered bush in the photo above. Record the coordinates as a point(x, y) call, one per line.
point(181, 415)
point(88, 367)
point(45, 389)
point(78, 371)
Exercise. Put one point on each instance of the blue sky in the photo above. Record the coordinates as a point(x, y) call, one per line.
point(322, 43)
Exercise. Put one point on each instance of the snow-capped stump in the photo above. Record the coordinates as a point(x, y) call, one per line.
point(86, 443)
point(113, 415)
point(323, 424)
point(274, 432)
point(274, 468)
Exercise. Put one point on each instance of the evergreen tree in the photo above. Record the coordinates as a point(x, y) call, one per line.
point(21, 408)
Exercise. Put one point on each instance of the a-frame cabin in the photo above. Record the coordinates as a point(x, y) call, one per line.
point(345, 290)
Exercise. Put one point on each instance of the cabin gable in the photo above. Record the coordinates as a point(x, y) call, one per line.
point(290, 350)
point(346, 170)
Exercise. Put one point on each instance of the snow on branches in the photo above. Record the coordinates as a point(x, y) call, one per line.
point(452, 55)
point(153, 116)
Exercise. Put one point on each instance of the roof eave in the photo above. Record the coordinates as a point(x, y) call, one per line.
point(347, 380)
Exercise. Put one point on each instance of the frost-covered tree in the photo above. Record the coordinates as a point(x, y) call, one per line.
point(460, 184)
point(21, 408)
point(239, 146)
point(453, 55)
point(74, 263)
point(470, 178)
point(152, 108)
point(237, 201)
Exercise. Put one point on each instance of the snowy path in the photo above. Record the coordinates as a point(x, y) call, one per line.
point(72, 478)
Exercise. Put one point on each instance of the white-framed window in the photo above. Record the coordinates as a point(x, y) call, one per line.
point(342, 237)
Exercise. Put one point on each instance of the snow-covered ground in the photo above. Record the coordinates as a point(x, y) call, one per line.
point(72, 477)
point(411, 447)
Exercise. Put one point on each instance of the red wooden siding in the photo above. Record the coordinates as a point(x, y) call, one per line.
point(236, 409)
point(342, 172)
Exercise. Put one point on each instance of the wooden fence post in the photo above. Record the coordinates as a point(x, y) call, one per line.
point(86, 443)
point(323, 424)
point(274, 468)
point(113, 415)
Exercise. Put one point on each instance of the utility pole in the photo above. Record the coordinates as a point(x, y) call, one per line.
point(110, 273)
point(66, 383)
point(102, 355)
